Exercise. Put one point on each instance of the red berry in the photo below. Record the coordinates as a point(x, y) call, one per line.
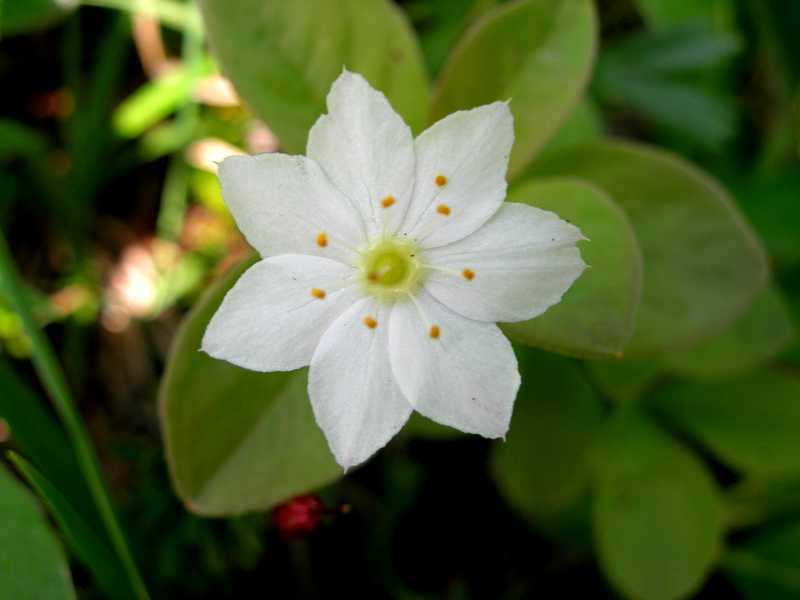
point(298, 517)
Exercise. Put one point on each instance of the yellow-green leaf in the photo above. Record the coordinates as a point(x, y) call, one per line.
point(656, 515)
point(538, 53)
point(758, 336)
point(283, 56)
point(596, 316)
point(703, 265)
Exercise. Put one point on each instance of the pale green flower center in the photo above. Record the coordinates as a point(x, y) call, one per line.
point(391, 268)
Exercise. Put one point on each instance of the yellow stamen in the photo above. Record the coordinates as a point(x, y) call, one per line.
point(318, 293)
point(443, 209)
point(468, 274)
point(435, 331)
point(322, 240)
point(387, 202)
point(441, 180)
point(370, 322)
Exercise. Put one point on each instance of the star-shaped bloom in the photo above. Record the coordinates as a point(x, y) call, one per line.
point(388, 261)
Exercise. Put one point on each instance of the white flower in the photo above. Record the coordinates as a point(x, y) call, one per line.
point(390, 259)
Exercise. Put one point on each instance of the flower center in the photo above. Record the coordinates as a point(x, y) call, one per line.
point(390, 268)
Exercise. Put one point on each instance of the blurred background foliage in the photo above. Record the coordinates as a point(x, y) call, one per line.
point(663, 473)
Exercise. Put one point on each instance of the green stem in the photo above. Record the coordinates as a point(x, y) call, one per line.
point(173, 198)
point(172, 14)
point(49, 371)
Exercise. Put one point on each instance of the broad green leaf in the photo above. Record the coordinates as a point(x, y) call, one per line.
point(596, 315)
point(706, 119)
point(666, 13)
point(762, 333)
point(584, 125)
point(657, 519)
point(543, 467)
point(422, 427)
point(624, 380)
point(441, 24)
point(689, 49)
point(236, 440)
point(35, 432)
point(770, 202)
point(703, 266)
point(92, 551)
point(750, 422)
point(667, 77)
point(27, 16)
point(32, 563)
point(767, 566)
point(538, 53)
point(283, 56)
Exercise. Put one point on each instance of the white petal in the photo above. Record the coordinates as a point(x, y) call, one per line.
point(283, 203)
point(367, 151)
point(523, 260)
point(353, 393)
point(470, 149)
point(466, 378)
point(270, 321)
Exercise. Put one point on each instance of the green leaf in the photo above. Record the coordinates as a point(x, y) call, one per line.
point(665, 76)
point(758, 501)
point(657, 519)
point(283, 56)
point(35, 431)
point(539, 53)
point(54, 381)
point(776, 22)
point(543, 467)
point(236, 440)
point(176, 14)
point(441, 24)
point(157, 99)
point(661, 13)
point(762, 333)
point(703, 266)
point(689, 49)
point(27, 16)
point(17, 139)
point(767, 566)
point(93, 552)
point(596, 316)
point(624, 380)
point(770, 202)
point(422, 427)
point(32, 563)
point(750, 422)
point(584, 125)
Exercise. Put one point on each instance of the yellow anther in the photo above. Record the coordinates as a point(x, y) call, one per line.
point(441, 180)
point(468, 274)
point(443, 209)
point(387, 202)
point(435, 331)
point(370, 322)
point(318, 293)
point(322, 240)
